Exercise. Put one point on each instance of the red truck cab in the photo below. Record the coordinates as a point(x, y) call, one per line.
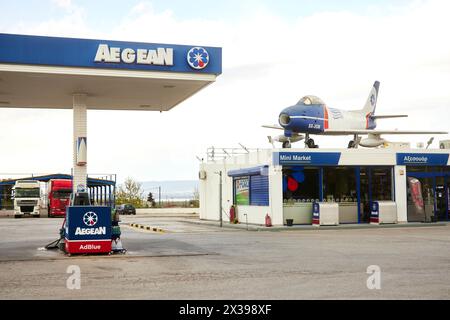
point(59, 192)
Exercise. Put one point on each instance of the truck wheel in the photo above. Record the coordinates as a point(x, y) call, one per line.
point(16, 216)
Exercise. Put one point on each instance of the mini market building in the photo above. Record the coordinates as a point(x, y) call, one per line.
point(285, 183)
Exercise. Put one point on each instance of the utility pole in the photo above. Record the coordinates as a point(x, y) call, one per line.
point(159, 196)
point(220, 197)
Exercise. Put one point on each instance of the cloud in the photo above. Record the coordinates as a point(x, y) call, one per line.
point(65, 4)
point(70, 21)
point(269, 62)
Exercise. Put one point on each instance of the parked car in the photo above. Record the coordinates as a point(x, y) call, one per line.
point(125, 209)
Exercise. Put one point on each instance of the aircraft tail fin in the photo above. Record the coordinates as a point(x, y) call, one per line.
point(371, 102)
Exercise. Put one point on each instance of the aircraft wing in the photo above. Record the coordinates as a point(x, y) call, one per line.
point(367, 131)
point(335, 132)
point(388, 116)
point(274, 126)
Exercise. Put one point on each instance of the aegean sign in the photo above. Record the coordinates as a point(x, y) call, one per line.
point(158, 56)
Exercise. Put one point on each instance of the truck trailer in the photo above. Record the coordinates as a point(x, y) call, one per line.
point(27, 198)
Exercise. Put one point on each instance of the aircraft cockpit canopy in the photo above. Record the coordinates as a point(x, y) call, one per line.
point(309, 100)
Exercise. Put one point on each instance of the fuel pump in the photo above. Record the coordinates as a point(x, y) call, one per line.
point(116, 243)
point(89, 229)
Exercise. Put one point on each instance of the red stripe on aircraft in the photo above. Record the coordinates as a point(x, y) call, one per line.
point(367, 120)
point(325, 116)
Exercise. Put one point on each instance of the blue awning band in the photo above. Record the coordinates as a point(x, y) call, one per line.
point(260, 170)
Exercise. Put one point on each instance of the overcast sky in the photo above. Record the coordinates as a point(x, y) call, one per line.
point(274, 52)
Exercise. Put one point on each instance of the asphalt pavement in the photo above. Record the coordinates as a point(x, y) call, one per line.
point(202, 261)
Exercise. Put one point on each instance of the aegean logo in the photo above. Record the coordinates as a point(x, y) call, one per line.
point(372, 99)
point(198, 58)
point(420, 159)
point(90, 218)
point(158, 56)
point(90, 231)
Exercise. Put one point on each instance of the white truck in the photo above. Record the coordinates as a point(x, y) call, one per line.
point(27, 198)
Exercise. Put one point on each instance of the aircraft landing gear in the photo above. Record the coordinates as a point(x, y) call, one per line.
point(286, 144)
point(309, 143)
point(354, 143)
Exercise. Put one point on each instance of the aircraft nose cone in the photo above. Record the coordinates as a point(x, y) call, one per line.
point(284, 119)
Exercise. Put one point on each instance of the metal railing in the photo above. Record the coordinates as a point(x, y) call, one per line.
point(216, 154)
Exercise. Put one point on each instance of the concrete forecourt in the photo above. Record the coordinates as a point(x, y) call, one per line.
point(200, 261)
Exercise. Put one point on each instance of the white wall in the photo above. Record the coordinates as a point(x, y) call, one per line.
point(255, 214)
point(209, 195)
point(276, 195)
point(209, 191)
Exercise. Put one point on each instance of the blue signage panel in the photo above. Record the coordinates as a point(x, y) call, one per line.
point(374, 212)
point(316, 213)
point(306, 158)
point(71, 52)
point(418, 159)
point(88, 223)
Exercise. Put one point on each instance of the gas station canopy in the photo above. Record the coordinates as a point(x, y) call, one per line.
point(45, 72)
point(82, 74)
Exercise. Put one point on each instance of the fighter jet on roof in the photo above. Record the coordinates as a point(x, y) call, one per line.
point(310, 115)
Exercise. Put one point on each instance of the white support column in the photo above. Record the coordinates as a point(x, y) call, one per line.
point(79, 131)
point(400, 193)
point(276, 195)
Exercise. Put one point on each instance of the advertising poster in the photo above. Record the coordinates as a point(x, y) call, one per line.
point(242, 191)
point(415, 189)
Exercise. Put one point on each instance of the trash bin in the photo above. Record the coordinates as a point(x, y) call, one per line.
point(289, 222)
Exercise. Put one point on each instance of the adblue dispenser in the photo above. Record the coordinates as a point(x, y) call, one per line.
point(88, 229)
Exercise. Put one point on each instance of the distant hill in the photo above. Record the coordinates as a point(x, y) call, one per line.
point(172, 189)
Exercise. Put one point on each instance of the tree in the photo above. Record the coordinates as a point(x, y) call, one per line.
point(130, 192)
point(150, 199)
point(195, 202)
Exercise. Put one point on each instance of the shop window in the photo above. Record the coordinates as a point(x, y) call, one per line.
point(381, 184)
point(300, 184)
point(430, 169)
point(339, 184)
point(251, 190)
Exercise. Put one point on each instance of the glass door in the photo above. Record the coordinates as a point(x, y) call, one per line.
point(441, 198)
point(366, 197)
point(433, 190)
